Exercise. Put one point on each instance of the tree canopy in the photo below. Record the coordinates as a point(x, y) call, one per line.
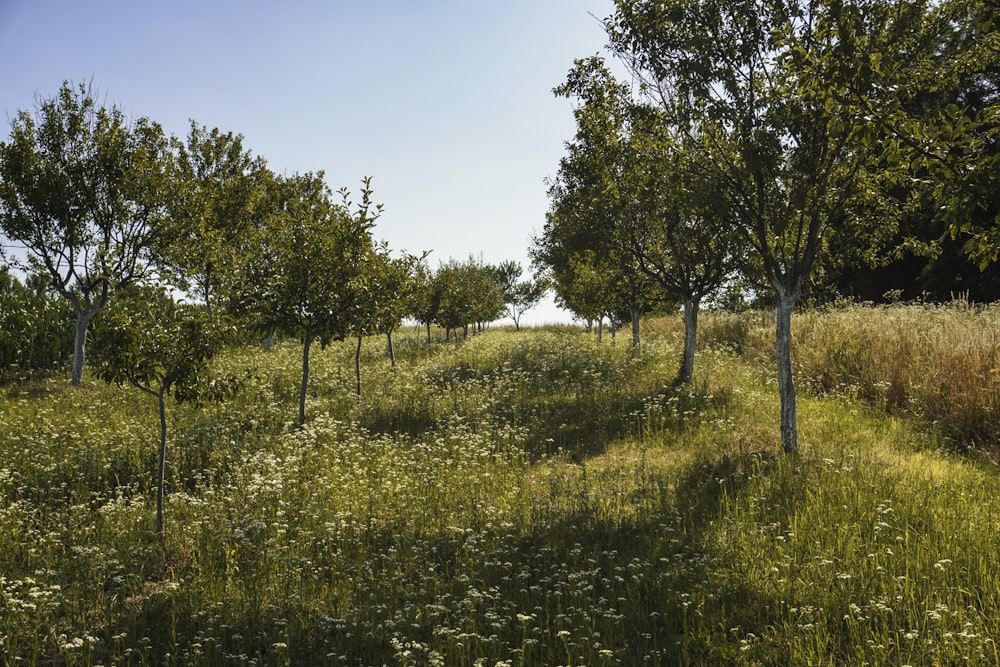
point(83, 190)
point(772, 90)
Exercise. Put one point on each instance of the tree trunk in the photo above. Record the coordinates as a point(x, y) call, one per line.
point(428, 334)
point(786, 386)
point(306, 342)
point(161, 469)
point(392, 350)
point(83, 318)
point(635, 312)
point(207, 294)
point(357, 367)
point(600, 330)
point(690, 335)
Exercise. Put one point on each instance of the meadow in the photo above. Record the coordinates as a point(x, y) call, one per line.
point(524, 498)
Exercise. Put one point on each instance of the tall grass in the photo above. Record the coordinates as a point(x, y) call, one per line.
point(517, 499)
point(940, 362)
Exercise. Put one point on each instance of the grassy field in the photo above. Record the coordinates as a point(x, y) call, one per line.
point(523, 498)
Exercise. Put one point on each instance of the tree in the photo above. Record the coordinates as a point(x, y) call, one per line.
point(519, 296)
point(303, 277)
point(219, 189)
point(769, 89)
point(594, 200)
point(465, 293)
point(422, 304)
point(383, 295)
point(83, 190)
point(161, 348)
point(663, 211)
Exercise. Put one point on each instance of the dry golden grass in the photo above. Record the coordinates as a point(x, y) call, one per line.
point(940, 362)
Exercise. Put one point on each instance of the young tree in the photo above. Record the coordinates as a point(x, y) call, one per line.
point(519, 296)
point(423, 305)
point(594, 198)
point(305, 273)
point(383, 295)
point(82, 189)
point(466, 293)
point(768, 88)
point(161, 348)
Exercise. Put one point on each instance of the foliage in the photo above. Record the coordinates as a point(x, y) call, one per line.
point(610, 218)
point(161, 348)
point(83, 189)
point(945, 115)
point(422, 305)
point(34, 329)
point(519, 296)
point(466, 293)
point(306, 275)
point(219, 188)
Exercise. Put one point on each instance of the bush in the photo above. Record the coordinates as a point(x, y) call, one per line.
point(36, 330)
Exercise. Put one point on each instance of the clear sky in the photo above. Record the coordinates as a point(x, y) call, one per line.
point(446, 104)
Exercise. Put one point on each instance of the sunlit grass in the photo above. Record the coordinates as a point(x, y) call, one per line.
point(521, 498)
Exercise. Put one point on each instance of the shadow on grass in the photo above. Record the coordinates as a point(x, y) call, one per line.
point(583, 425)
point(560, 588)
point(555, 417)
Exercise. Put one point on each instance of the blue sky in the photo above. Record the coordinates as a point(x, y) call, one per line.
point(446, 104)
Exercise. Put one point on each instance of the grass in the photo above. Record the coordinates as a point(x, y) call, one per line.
point(517, 499)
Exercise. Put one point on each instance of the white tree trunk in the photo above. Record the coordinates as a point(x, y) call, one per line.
point(83, 319)
point(162, 464)
point(691, 306)
point(786, 386)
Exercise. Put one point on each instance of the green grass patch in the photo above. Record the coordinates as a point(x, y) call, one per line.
point(524, 498)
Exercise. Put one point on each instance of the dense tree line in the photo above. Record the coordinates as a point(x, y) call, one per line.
point(779, 148)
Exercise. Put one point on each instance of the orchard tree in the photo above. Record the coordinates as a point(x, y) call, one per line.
point(519, 296)
point(682, 236)
point(83, 190)
point(586, 288)
point(769, 90)
point(422, 302)
point(219, 190)
point(595, 198)
point(162, 348)
point(466, 293)
point(304, 275)
point(640, 176)
point(382, 297)
point(395, 286)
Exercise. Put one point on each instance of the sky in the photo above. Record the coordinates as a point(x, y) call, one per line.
point(446, 104)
